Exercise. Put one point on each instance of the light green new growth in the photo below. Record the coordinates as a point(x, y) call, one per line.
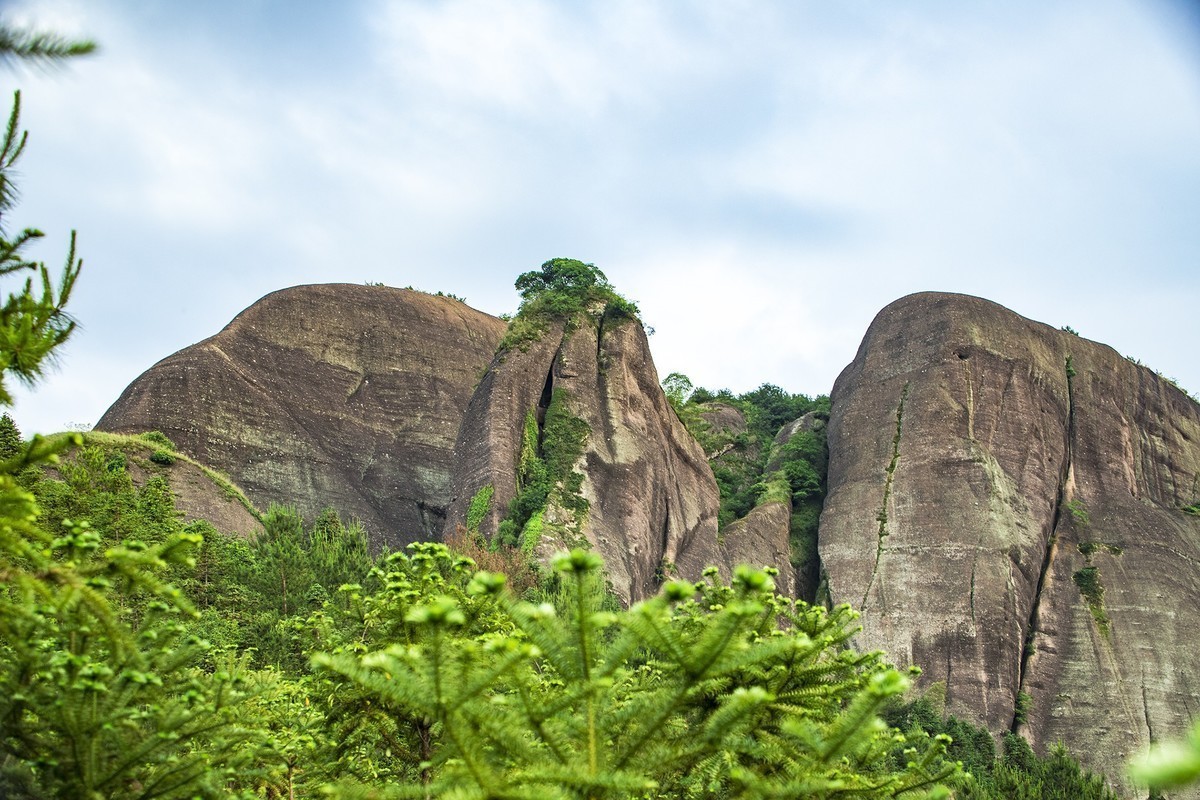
point(704, 691)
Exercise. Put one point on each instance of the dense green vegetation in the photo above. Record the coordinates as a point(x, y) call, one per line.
point(1014, 774)
point(763, 463)
point(546, 476)
point(436, 679)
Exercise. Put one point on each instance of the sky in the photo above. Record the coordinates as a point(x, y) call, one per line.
point(760, 177)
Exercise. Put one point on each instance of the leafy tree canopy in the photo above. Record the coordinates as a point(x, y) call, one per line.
point(563, 289)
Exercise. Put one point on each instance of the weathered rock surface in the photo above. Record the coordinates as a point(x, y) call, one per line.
point(979, 463)
point(761, 539)
point(337, 394)
point(652, 497)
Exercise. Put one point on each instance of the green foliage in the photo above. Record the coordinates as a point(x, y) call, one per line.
point(1018, 774)
point(11, 442)
point(678, 388)
point(98, 692)
point(1090, 548)
point(39, 46)
point(546, 476)
point(375, 737)
point(563, 289)
point(768, 408)
point(290, 573)
point(704, 691)
point(1092, 589)
point(163, 458)
point(1079, 512)
point(1023, 706)
point(92, 482)
point(1169, 765)
point(774, 488)
point(32, 322)
point(158, 438)
point(479, 506)
point(739, 461)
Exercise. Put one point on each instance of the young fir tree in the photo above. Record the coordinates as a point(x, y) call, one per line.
point(705, 691)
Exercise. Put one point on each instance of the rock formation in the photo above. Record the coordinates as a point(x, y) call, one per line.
point(651, 498)
point(762, 538)
point(341, 395)
point(1005, 508)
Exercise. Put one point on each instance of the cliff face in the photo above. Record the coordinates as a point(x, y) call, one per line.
point(338, 394)
point(1004, 508)
point(651, 498)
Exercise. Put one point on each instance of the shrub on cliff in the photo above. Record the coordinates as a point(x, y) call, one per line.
point(563, 289)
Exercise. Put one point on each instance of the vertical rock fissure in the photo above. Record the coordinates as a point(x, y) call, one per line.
point(665, 567)
point(599, 342)
point(544, 404)
point(973, 570)
point(1146, 711)
point(882, 516)
point(1064, 475)
point(970, 399)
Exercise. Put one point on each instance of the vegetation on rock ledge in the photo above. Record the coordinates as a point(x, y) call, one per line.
point(563, 289)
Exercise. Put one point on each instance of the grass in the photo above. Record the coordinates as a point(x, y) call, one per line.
point(150, 445)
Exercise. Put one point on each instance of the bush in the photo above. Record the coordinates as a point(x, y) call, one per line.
point(159, 438)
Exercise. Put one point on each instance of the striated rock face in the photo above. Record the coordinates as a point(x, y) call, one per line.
point(1004, 508)
point(761, 538)
point(337, 394)
point(652, 499)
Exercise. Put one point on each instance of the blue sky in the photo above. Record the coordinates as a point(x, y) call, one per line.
point(761, 177)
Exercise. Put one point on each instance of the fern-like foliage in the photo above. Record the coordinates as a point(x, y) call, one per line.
point(99, 696)
point(708, 690)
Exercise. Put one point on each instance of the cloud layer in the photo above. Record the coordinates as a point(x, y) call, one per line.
point(761, 177)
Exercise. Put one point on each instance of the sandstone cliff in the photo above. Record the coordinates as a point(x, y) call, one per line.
point(650, 496)
point(338, 394)
point(1004, 508)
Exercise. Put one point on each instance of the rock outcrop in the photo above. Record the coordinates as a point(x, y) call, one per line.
point(762, 538)
point(339, 394)
point(651, 498)
point(1005, 508)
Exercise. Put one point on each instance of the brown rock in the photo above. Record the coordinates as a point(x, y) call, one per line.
point(972, 476)
point(337, 394)
point(760, 539)
point(652, 498)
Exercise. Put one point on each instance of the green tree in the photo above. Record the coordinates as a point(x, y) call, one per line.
point(563, 289)
point(678, 388)
point(33, 322)
point(704, 691)
point(11, 442)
